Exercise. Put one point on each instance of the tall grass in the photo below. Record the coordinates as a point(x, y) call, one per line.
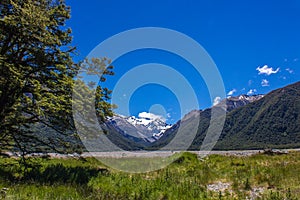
point(278, 176)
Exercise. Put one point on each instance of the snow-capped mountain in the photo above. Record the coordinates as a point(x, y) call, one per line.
point(156, 125)
point(276, 122)
point(149, 128)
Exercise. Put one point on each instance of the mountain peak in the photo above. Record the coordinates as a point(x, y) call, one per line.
point(252, 122)
point(232, 102)
point(250, 98)
point(147, 126)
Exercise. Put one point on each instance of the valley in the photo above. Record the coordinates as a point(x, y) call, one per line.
point(149, 100)
point(252, 122)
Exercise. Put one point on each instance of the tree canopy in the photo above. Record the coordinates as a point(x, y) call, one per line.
point(37, 74)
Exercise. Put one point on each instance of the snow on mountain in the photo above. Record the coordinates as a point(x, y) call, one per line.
point(233, 102)
point(146, 126)
point(241, 100)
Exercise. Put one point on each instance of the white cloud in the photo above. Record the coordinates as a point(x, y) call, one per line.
point(265, 83)
point(217, 100)
point(267, 70)
point(289, 70)
point(231, 92)
point(151, 116)
point(251, 91)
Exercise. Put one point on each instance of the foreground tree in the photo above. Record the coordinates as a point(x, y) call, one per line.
point(37, 75)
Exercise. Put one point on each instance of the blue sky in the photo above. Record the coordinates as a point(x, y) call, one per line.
point(255, 44)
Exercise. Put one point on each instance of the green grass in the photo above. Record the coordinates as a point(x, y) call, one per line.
point(186, 178)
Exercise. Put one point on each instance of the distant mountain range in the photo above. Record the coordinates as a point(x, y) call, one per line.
point(252, 122)
point(144, 128)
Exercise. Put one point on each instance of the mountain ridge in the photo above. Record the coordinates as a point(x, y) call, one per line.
point(137, 130)
point(252, 122)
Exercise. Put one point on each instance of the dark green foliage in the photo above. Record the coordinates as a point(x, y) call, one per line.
point(58, 173)
point(36, 72)
point(37, 77)
point(271, 122)
point(187, 158)
point(247, 184)
point(36, 69)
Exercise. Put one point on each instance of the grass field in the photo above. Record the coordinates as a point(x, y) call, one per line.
point(214, 177)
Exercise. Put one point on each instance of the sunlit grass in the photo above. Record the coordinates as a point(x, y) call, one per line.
point(187, 177)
